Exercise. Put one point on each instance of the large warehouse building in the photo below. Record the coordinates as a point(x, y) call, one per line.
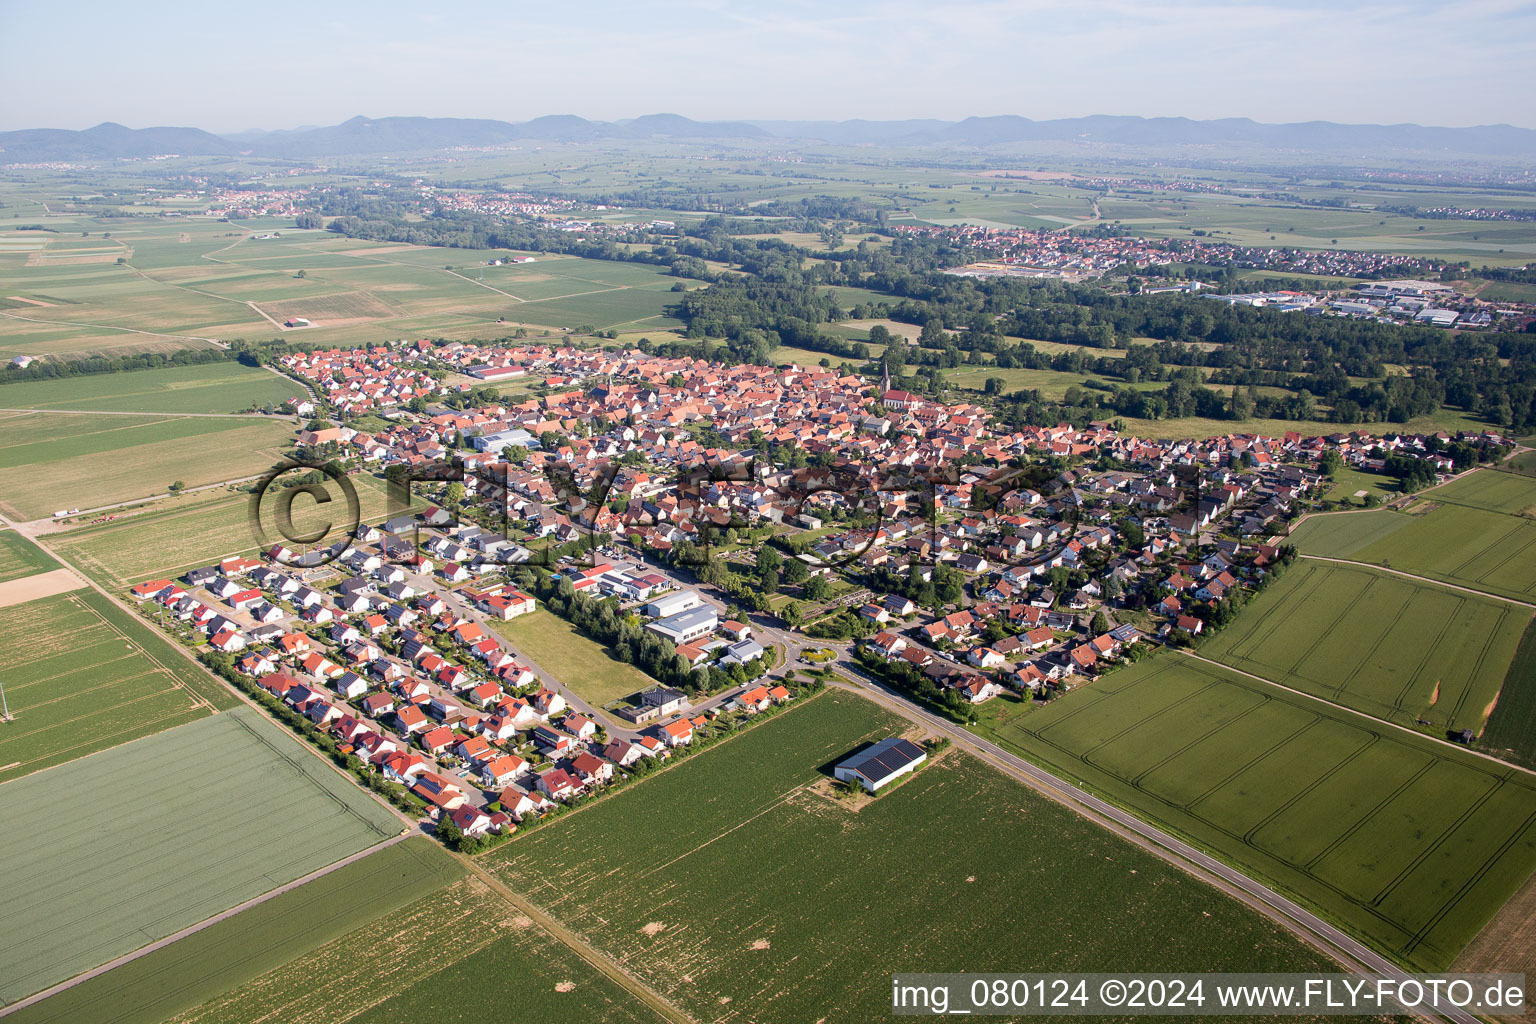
point(882, 763)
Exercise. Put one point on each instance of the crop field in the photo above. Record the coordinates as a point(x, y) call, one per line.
point(201, 388)
point(460, 947)
point(185, 283)
point(1409, 843)
point(209, 963)
point(1497, 492)
point(170, 536)
point(724, 875)
point(1511, 729)
point(1393, 648)
point(82, 675)
point(51, 460)
point(1463, 544)
point(582, 664)
point(20, 558)
point(183, 825)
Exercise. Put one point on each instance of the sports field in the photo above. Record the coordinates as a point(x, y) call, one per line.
point(212, 961)
point(446, 956)
point(1409, 843)
point(737, 868)
point(582, 664)
point(20, 558)
point(170, 536)
point(1394, 648)
point(82, 675)
point(53, 460)
point(1468, 533)
point(109, 852)
point(224, 387)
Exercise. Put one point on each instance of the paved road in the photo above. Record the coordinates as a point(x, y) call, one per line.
point(1348, 950)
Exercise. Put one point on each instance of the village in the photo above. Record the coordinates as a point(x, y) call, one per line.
point(861, 531)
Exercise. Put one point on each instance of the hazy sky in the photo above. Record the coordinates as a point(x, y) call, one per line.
point(228, 67)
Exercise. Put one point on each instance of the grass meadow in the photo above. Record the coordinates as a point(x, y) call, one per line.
point(582, 664)
point(209, 963)
point(51, 460)
point(1402, 651)
point(1411, 844)
point(82, 675)
point(183, 825)
point(721, 877)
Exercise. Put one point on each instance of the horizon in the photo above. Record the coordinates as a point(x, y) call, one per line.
point(312, 126)
point(1265, 61)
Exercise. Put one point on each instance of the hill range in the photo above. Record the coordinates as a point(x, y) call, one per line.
point(363, 136)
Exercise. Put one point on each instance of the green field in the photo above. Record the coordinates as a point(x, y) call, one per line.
point(19, 557)
point(444, 957)
point(1511, 729)
point(583, 665)
point(172, 535)
point(737, 869)
point(1411, 844)
point(208, 963)
point(82, 675)
point(1458, 534)
point(205, 388)
point(1393, 648)
point(186, 282)
point(181, 826)
point(52, 460)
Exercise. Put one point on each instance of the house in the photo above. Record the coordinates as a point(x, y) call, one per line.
point(881, 764)
point(580, 726)
point(521, 805)
point(985, 657)
point(623, 753)
point(1189, 624)
point(664, 699)
point(591, 770)
point(410, 719)
point(735, 630)
point(475, 749)
point(676, 734)
point(887, 644)
point(977, 690)
point(471, 820)
point(227, 640)
point(435, 741)
point(501, 771)
point(552, 743)
point(755, 699)
point(559, 784)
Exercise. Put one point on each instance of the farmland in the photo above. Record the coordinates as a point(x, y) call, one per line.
point(1390, 647)
point(582, 664)
point(957, 869)
point(1511, 729)
point(81, 675)
point(225, 387)
point(50, 461)
point(210, 962)
point(172, 535)
point(183, 825)
point(1468, 532)
point(20, 558)
point(182, 284)
point(1411, 844)
point(462, 946)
